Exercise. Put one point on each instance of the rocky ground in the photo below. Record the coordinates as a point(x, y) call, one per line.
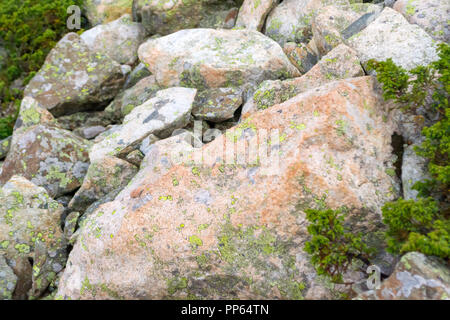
point(132, 171)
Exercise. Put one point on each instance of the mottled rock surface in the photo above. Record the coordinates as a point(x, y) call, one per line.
point(50, 157)
point(236, 230)
point(207, 58)
point(217, 104)
point(253, 13)
point(30, 228)
point(74, 78)
point(103, 11)
point(416, 277)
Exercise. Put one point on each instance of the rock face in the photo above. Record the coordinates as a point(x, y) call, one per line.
point(30, 228)
point(253, 13)
point(207, 58)
point(218, 104)
point(126, 101)
point(340, 63)
point(103, 11)
point(235, 229)
point(329, 24)
point(391, 36)
point(416, 277)
point(74, 79)
point(431, 15)
point(165, 17)
point(8, 280)
point(50, 157)
point(170, 109)
point(119, 39)
point(414, 169)
point(5, 144)
point(102, 177)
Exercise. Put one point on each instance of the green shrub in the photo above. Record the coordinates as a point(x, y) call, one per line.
point(332, 246)
point(29, 29)
point(422, 225)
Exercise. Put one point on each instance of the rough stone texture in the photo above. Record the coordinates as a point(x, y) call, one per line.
point(103, 176)
point(414, 169)
point(30, 228)
point(215, 58)
point(301, 56)
point(165, 17)
point(218, 104)
point(138, 73)
point(8, 280)
point(103, 11)
point(231, 231)
point(84, 119)
point(126, 101)
point(331, 21)
point(253, 13)
point(416, 277)
point(392, 36)
point(340, 63)
point(70, 225)
point(431, 15)
point(75, 79)
point(119, 39)
point(5, 144)
point(89, 132)
point(168, 110)
point(50, 157)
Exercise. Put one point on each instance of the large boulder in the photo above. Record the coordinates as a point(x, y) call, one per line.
point(30, 227)
point(102, 177)
point(8, 280)
point(253, 13)
point(208, 58)
point(74, 78)
point(431, 15)
point(50, 157)
point(392, 36)
point(229, 227)
point(169, 110)
point(119, 39)
point(416, 277)
point(165, 17)
point(103, 11)
point(341, 63)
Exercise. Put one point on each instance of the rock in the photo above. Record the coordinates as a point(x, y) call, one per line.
point(103, 176)
point(138, 73)
point(207, 58)
point(147, 142)
point(301, 56)
point(89, 132)
point(167, 17)
point(217, 104)
point(75, 79)
point(329, 24)
point(103, 11)
point(220, 19)
point(291, 20)
point(135, 157)
point(31, 113)
point(161, 115)
point(126, 101)
point(236, 230)
point(340, 63)
point(119, 39)
point(5, 144)
point(392, 36)
point(30, 228)
point(431, 15)
point(84, 119)
point(416, 277)
point(8, 280)
point(50, 157)
point(414, 169)
point(70, 225)
point(253, 13)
